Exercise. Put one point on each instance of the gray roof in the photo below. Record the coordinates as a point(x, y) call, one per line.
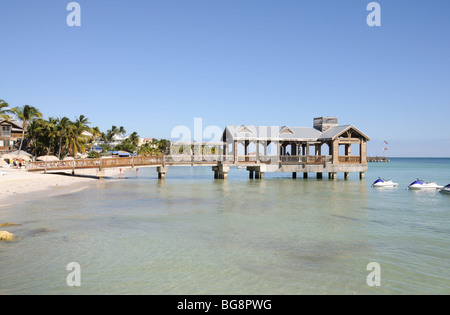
point(13, 122)
point(283, 133)
point(274, 133)
point(335, 132)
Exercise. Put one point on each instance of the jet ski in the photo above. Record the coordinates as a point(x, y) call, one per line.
point(381, 182)
point(446, 189)
point(420, 184)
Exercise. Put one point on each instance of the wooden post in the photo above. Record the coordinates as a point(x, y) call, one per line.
point(279, 151)
point(348, 150)
point(250, 174)
point(363, 151)
point(257, 151)
point(161, 172)
point(319, 149)
point(335, 152)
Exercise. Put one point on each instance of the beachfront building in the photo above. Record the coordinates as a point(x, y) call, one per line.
point(116, 140)
point(10, 135)
point(143, 141)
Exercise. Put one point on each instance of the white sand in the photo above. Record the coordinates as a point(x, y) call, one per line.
point(16, 183)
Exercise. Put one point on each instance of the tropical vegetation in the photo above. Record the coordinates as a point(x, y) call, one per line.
point(65, 137)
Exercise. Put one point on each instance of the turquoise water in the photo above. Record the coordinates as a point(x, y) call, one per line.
point(191, 234)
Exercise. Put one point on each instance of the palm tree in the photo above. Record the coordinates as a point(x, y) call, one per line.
point(122, 131)
point(51, 132)
point(82, 122)
point(76, 139)
point(35, 135)
point(4, 110)
point(163, 145)
point(134, 139)
point(111, 133)
point(62, 129)
point(26, 114)
point(96, 133)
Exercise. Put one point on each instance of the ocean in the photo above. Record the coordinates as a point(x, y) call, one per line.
point(192, 234)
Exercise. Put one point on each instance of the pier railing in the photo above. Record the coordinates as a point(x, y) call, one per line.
point(183, 159)
point(95, 163)
point(308, 159)
point(349, 159)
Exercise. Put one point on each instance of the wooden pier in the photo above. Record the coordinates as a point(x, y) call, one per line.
point(276, 149)
point(378, 159)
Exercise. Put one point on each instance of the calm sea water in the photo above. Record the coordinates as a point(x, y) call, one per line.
point(191, 234)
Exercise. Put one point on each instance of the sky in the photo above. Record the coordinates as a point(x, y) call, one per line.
point(151, 66)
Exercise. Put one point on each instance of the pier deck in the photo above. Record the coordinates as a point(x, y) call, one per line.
point(313, 164)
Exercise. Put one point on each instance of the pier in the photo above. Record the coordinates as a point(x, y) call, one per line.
point(258, 149)
point(378, 159)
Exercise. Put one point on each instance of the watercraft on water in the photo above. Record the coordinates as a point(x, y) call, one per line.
point(446, 189)
point(420, 184)
point(381, 182)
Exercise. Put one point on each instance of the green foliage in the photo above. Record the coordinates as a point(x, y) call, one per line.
point(58, 136)
point(93, 155)
point(155, 147)
point(106, 148)
point(4, 111)
point(64, 137)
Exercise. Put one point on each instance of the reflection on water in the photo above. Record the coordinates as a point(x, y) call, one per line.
point(191, 234)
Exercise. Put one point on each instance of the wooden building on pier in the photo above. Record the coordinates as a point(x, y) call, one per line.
point(326, 147)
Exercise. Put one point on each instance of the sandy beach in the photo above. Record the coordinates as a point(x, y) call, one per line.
point(18, 184)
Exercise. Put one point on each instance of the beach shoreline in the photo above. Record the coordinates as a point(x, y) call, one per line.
point(18, 185)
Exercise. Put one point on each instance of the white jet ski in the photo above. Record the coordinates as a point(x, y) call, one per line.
point(446, 189)
point(381, 182)
point(420, 184)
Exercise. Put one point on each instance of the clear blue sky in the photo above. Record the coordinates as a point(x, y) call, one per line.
point(152, 65)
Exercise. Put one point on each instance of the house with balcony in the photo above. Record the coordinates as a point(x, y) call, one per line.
point(10, 135)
